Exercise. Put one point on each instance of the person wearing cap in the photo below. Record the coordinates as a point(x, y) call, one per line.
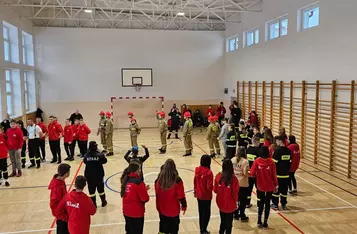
point(94, 172)
point(109, 130)
point(132, 156)
point(134, 130)
point(187, 134)
point(58, 190)
point(101, 130)
point(213, 131)
point(163, 131)
point(282, 159)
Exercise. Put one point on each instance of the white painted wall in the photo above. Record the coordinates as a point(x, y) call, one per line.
point(324, 53)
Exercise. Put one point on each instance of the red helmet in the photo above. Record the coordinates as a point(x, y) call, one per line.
point(161, 113)
point(187, 114)
point(108, 114)
point(102, 113)
point(132, 119)
point(130, 113)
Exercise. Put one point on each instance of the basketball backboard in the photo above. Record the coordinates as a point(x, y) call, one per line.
point(132, 77)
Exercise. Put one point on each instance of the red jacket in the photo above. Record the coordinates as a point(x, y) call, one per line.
point(227, 196)
point(267, 143)
point(221, 111)
point(58, 191)
point(168, 201)
point(55, 131)
point(265, 172)
point(203, 183)
point(68, 134)
point(79, 207)
point(210, 112)
point(44, 129)
point(135, 197)
point(83, 132)
point(15, 138)
point(295, 157)
point(271, 151)
point(169, 122)
point(3, 146)
point(75, 131)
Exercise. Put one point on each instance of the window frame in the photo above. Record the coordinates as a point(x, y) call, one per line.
point(236, 43)
point(10, 111)
point(7, 40)
point(254, 41)
point(278, 21)
point(26, 92)
point(301, 16)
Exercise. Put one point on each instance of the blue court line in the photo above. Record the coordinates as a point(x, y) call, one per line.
point(116, 191)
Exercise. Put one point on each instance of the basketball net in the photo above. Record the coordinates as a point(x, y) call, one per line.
point(137, 88)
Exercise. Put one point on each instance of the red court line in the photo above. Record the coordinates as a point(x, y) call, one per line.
point(280, 214)
point(69, 189)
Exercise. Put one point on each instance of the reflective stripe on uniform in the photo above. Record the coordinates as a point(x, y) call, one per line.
point(38, 158)
point(101, 194)
point(32, 158)
point(274, 160)
point(231, 146)
point(23, 157)
point(91, 195)
point(283, 195)
point(249, 197)
point(261, 140)
point(285, 157)
point(283, 176)
point(258, 199)
point(243, 136)
point(251, 157)
point(275, 195)
point(4, 171)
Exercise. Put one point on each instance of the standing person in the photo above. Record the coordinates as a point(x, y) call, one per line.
point(78, 207)
point(210, 111)
point(3, 158)
point(15, 140)
point(94, 172)
point(187, 134)
point(256, 133)
point(241, 170)
point(135, 195)
point(6, 123)
point(268, 137)
point(223, 136)
point(39, 113)
point(75, 142)
point(264, 170)
point(175, 121)
point(101, 131)
point(75, 115)
point(253, 153)
point(55, 132)
point(236, 114)
point(20, 125)
point(43, 127)
point(282, 158)
point(243, 139)
point(83, 133)
point(170, 198)
point(226, 186)
point(68, 140)
point(295, 161)
point(130, 115)
point(213, 131)
point(35, 134)
point(134, 130)
point(203, 187)
point(282, 132)
point(135, 158)
point(109, 130)
point(58, 190)
point(231, 142)
point(221, 112)
point(163, 131)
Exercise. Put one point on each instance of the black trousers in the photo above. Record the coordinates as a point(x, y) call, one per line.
point(3, 169)
point(231, 152)
point(62, 227)
point(292, 181)
point(226, 223)
point(83, 147)
point(251, 185)
point(55, 150)
point(43, 148)
point(169, 225)
point(134, 225)
point(69, 150)
point(242, 201)
point(204, 211)
point(23, 153)
point(73, 145)
point(282, 192)
point(34, 151)
point(93, 185)
point(220, 120)
point(263, 205)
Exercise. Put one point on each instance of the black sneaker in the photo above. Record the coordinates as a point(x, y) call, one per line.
point(213, 155)
point(187, 154)
point(71, 159)
point(7, 184)
point(284, 207)
point(31, 166)
point(104, 203)
point(274, 207)
point(109, 154)
point(53, 161)
point(79, 155)
point(43, 160)
point(265, 225)
point(38, 166)
point(236, 217)
point(260, 224)
point(245, 219)
point(59, 162)
point(67, 159)
point(104, 152)
point(162, 151)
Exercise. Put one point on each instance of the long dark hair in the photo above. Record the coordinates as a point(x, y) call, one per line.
point(20, 123)
point(268, 135)
point(206, 161)
point(292, 139)
point(241, 153)
point(227, 172)
point(133, 167)
point(168, 175)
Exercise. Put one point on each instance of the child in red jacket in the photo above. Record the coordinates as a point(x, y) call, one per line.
point(83, 132)
point(226, 186)
point(15, 140)
point(264, 170)
point(3, 158)
point(203, 186)
point(55, 132)
point(78, 207)
point(170, 198)
point(58, 191)
point(295, 161)
point(135, 195)
point(68, 140)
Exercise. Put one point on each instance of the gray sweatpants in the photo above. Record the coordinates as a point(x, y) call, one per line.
point(224, 146)
point(15, 160)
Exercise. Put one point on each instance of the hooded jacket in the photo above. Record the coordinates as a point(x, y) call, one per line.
point(55, 131)
point(68, 134)
point(227, 196)
point(295, 157)
point(264, 170)
point(58, 191)
point(15, 138)
point(203, 183)
point(3, 146)
point(83, 132)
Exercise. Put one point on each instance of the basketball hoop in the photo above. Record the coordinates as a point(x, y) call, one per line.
point(137, 87)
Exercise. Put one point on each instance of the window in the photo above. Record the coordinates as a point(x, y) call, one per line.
point(29, 91)
point(11, 47)
point(309, 17)
point(232, 43)
point(27, 49)
point(6, 37)
point(276, 28)
point(13, 92)
point(251, 37)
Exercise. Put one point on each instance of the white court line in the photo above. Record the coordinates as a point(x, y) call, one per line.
point(187, 218)
point(327, 192)
point(19, 202)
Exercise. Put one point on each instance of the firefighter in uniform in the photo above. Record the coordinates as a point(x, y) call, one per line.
point(94, 172)
point(253, 153)
point(109, 129)
point(187, 133)
point(101, 130)
point(163, 131)
point(213, 131)
point(282, 159)
point(134, 130)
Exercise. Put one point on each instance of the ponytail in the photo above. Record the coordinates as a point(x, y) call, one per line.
point(133, 167)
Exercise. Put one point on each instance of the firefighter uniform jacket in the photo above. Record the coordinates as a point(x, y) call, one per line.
point(282, 158)
point(213, 131)
point(231, 139)
point(252, 155)
point(187, 128)
point(102, 123)
point(162, 126)
point(109, 127)
point(243, 139)
point(94, 165)
point(134, 129)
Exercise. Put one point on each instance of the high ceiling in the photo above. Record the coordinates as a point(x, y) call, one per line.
point(136, 14)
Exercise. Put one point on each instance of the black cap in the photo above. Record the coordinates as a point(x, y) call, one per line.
point(93, 146)
point(63, 168)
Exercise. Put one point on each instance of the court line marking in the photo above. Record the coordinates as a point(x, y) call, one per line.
point(19, 202)
point(187, 218)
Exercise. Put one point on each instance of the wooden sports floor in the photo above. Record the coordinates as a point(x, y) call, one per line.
point(326, 202)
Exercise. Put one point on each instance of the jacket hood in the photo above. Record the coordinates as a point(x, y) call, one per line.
point(76, 196)
point(264, 161)
point(56, 182)
point(202, 171)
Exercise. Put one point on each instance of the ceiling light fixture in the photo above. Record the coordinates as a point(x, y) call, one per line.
point(181, 13)
point(88, 10)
